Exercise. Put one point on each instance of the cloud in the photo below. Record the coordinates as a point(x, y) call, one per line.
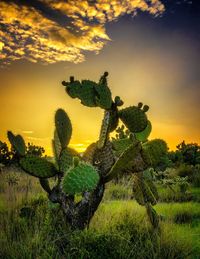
point(64, 30)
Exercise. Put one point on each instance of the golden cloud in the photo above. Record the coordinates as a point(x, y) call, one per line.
point(30, 34)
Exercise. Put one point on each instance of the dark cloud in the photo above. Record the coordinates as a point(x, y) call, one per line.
point(51, 31)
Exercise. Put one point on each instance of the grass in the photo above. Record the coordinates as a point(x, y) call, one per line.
point(119, 229)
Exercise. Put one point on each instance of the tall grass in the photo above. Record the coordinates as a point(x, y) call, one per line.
point(119, 229)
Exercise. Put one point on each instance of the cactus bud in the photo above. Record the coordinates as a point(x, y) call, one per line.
point(140, 104)
point(145, 108)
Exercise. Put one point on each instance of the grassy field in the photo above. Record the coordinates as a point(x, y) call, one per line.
point(119, 229)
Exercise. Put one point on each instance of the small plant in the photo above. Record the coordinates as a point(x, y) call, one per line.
point(102, 161)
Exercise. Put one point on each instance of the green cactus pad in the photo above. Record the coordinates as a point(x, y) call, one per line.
point(17, 142)
point(147, 193)
point(56, 145)
point(66, 159)
point(88, 155)
point(103, 97)
point(134, 118)
point(144, 191)
point(87, 93)
point(120, 145)
point(37, 166)
point(137, 192)
point(153, 216)
point(143, 135)
point(84, 91)
point(124, 162)
point(81, 178)
point(104, 158)
point(153, 151)
point(73, 89)
point(63, 127)
point(153, 189)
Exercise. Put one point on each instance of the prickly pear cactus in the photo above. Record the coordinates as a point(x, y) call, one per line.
point(38, 166)
point(63, 127)
point(154, 151)
point(104, 158)
point(17, 142)
point(80, 178)
point(102, 161)
point(124, 162)
point(66, 159)
point(103, 96)
point(134, 118)
point(143, 135)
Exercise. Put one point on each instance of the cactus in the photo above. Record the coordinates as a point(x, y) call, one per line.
point(134, 118)
point(124, 162)
point(153, 151)
point(104, 158)
point(102, 161)
point(56, 146)
point(66, 159)
point(80, 178)
point(103, 96)
point(17, 142)
point(89, 153)
point(91, 94)
point(63, 127)
point(38, 166)
point(143, 135)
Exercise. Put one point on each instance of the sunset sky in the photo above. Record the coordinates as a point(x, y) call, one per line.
point(151, 50)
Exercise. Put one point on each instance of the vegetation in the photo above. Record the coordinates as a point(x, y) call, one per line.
point(96, 202)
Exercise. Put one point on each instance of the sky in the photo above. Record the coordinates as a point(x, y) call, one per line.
point(151, 50)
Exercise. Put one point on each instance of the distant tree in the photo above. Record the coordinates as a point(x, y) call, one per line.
point(186, 153)
point(5, 154)
point(8, 156)
point(35, 150)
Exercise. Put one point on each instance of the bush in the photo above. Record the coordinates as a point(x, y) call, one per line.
point(192, 172)
point(183, 217)
point(117, 192)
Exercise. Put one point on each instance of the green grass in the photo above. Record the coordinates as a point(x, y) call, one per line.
point(119, 229)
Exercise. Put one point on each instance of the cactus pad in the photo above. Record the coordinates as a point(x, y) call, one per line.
point(37, 166)
point(120, 145)
point(87, 93)
point(89, 153)
point(143, 135)
point(103, 97)
point(124, 162)
point(80, 178)
point(153, 151)
point(73, 88)
point(63, 127)
point(144, 191)
point(134, 118)
point(18, 143)
point(104, 158)
point(90, 93)
point(66, 159)
point(153, 216)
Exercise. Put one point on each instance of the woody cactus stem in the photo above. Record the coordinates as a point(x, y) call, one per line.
point(104, 133)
